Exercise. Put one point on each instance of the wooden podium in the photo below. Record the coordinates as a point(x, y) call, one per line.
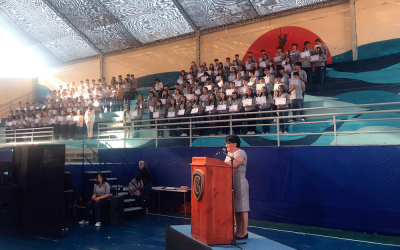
point(212, 219)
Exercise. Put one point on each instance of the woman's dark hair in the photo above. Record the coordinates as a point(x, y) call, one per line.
point(233, 139)
point(214, 100)
point(102, 176)
point(151, 92)
point(173, 105)
point(159, 101)
point(166, 94)
point(251, 94)
point(196, 101)
point(225, 98)
point(185, 102)
point(178, 91)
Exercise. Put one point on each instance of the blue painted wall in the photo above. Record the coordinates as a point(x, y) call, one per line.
point(349, 188)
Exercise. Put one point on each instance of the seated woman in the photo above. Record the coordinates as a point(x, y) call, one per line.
point(101, 191)
point(135, 188)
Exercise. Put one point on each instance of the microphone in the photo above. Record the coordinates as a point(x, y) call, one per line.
point(222, 151)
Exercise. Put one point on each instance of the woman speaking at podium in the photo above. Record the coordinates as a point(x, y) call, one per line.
point(242, 206)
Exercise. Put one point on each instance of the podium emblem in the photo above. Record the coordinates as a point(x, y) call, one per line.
point(198, 184)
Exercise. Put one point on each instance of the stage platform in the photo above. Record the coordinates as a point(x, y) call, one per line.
point(180, 238)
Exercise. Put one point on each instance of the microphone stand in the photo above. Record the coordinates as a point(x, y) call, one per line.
point(233, 242)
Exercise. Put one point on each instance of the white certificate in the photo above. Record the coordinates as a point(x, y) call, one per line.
point(233, 108)
point(277, 59)
point(259, 86)
point(171, 114)
point(314, 58)
point(151, 109)
point(134, 113)
point(52, 121)
point(194, 111)
point(261, 100)
point(221, 107)
point(276, 86)
point(294, 82)
point(217, 78)
point(181, 112)
point(209, 108)
point(36, 120)
point(280, 101)
point(220, 84)
point(9, 124)
point(226, 64)
point(250, 83)
point(304, 54)
point(247, 102)
point(242, 73)
point(248, 66)
point(271, 69)
point(231, 78)
point(197, 92)
point(229, 91)
point(204, 78)
point(69, 109)
point(209, 87)
point(188, 76)
point(238, 83)
point(54, 111)
point(203, 98)
point(242, 90)
point(68, 117)
point(156, 114)
point(189, 96)
point(140, 106)
point(263, 64)
point(200, 74)
point(96, 103)
point(163, 101)
point(76, 118)
point(287, 67)
point(283, 63)
point(209, 72)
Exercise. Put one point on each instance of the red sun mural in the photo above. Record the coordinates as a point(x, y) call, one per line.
point(284, 36)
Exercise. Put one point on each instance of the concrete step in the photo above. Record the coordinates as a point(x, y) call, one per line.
point(129, 209)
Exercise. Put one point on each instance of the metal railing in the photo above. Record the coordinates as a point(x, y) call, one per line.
point(11, 105)
point(325, 115)
point(27, 135)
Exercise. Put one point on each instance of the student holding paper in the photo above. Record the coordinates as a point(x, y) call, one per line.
point(204, 95)
point(126, 118)
point(235, 107)
point(141, 103)
point(160, 114)
point(296, 89)
point(217, 90)
point(172, 112)
point(184, 111)
point(306, 63)
point(320, 66)
point(250, 106)
point(151, 104)
point(265, 105)
point(253, 78)
point(71, 125)
point(166, 99)
point(271, 67)
point(199, 106)
point(284, 76)
point(232, 75)
point(295, 53)
point(280, 56)
point(211, 110)
point(282, 101)
point(136, 116)
point(223, 104)
point(177, 96)
point(288, 66)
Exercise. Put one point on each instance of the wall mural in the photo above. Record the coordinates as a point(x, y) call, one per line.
point(285, 37)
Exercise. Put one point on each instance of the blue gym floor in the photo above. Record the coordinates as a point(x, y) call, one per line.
point(148, 232)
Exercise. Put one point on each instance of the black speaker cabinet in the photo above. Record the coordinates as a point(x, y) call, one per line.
point(41, 176)
point(10, 197)
point(117, 211)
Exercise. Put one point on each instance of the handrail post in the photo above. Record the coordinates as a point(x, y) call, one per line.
point(190, 131)
point(230, 125)
point(98, 135)
point(334, 129)
point(156, 127)
point(32, 136)
point(278, 139)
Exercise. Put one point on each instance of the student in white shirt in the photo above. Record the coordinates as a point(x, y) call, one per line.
point(89, 120)
point(306, 63)
point(174, 109)
point(265, 107)
point(297, 95)
point(280, 56)
point(282, 94)
point(159, 86)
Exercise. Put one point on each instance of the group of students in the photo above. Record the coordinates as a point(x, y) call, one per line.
point(68, 108)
